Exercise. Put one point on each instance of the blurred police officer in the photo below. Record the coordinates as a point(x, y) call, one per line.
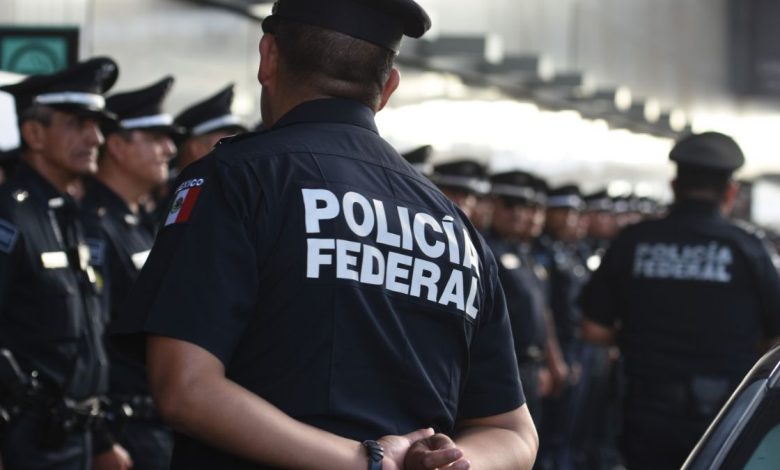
point(311, 292)
point(419, 158)
point(558, 252)
point(462, 181)
point(205, 123)
point(693, 297)
point(50, 316)
point(134, 162)
point(516, 198)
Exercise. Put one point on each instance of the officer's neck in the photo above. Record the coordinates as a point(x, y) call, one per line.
point(127, 189)
point(63, 180)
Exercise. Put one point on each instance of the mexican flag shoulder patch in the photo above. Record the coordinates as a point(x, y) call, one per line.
point(184, 200)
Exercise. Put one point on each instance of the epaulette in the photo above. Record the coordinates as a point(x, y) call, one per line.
point(747, 227)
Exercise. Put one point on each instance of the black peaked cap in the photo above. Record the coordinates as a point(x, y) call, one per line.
point(517, 184)
point(708, 150)
point(77, 89)
point(142, 109)
point(599, 201)
point(567, 196)
point(464, 174)
point(210, 115)
point(419, 157)
point(381, 22)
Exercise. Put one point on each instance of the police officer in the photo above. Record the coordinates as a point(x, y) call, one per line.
point(205, 123)
point(462, 180)
point(516, 198)
point(49, 310)
point(419, 158)
point(311, 292)
point(557, 251)
point(692, 296)
point(134, 162)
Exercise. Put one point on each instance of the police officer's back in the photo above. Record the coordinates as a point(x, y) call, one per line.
point(692, 297)
point(50, 317)
point(286, 320)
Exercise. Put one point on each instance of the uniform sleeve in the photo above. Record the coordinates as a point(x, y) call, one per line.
point(493, 383)
point(199, 284)
point(598, 299)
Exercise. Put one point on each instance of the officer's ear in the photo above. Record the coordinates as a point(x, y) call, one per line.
point(390, 86)
point(730, 196)
point(34, 135)
point(269, 61)
point(116, 146)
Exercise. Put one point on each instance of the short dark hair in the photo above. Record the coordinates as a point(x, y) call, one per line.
point(333, 63)
point(711, 184)
point(37, 113)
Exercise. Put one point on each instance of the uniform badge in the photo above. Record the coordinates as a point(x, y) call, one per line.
point(97, 251)
point(541, 272)
point(510, 261)
point(54, 260)
point(184, 201)
point(8, 235)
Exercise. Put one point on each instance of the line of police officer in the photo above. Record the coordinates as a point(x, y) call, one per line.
point(77, 222)
point(548, 242)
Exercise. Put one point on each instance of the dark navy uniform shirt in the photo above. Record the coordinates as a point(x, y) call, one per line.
point(50, 316)
point(526, 296)
point(331, 279)
point(120, 243)
point(568, 274)
point(694, 295)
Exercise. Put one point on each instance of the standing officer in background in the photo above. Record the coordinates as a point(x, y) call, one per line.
point(557, 251)
point(133, 163)
point(516, 196)
point(693, 297)
point(311, 292)
point(419, 158)
point(204, 124)
point(461, 181)
point(50, 316)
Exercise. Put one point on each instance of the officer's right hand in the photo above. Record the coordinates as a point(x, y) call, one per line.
point(437, 451)
point(396, 447)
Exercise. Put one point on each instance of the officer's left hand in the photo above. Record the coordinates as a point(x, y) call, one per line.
point(437, 451)
point(115, 458)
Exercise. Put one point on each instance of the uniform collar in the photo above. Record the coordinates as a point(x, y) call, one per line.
point(32, 183)
point(105, 196)
point(697, 207)
point(330, 110)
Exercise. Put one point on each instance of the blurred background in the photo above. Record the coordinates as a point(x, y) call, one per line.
point(586, 91)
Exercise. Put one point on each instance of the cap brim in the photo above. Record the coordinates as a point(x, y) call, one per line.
point(103, 116)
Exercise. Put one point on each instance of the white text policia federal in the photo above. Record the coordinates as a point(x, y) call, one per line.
point(443, 281)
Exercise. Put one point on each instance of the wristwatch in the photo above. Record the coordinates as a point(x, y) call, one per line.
point(375, 454)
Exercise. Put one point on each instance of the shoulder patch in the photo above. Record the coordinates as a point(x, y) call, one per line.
point(8, 236)
point(184, 201)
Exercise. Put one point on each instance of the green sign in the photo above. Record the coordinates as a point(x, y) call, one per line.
point(30, 50)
